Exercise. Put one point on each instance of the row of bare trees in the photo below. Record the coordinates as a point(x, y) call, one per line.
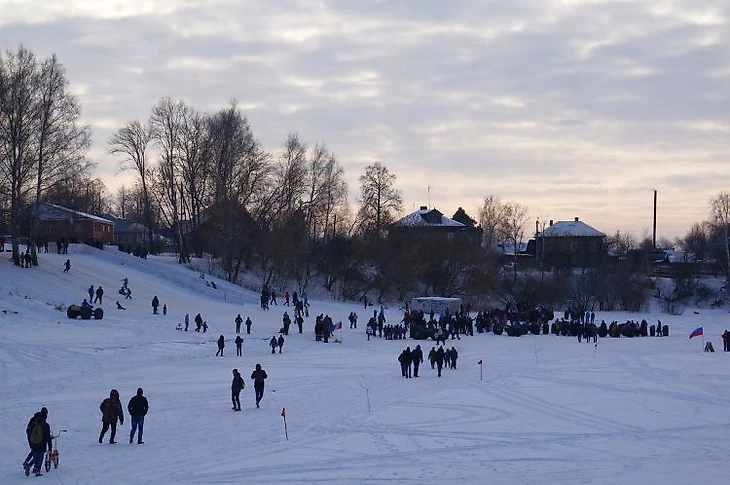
point(42, 139)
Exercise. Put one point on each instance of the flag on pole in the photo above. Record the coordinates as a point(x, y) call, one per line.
point(697, 332)
point(283, 412)
point(480, 362)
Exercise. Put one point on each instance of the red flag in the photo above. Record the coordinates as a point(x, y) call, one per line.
point(480, 362)
point(283, 412)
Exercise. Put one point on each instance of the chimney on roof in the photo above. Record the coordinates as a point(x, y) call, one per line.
point(551, 222)
point(423, 207)
point(576, 219)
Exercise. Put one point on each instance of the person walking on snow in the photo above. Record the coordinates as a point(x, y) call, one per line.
point(273, 343)
point(137, 407)
point(248, 325)
point(440, 360)
point(238, 321)
point(221, 345)
point(91, 293)
point(99, 294)
point(239, 342)
point(111, 411)
point(236, 386)
point(67, 266)
point(155, 304)
point(280, 342)
point(35, 438)
point(259, 376)
point(417, 357)
point(39, 439)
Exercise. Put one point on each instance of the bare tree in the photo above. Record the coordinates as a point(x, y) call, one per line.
point(132, 142)
point(18, 128)
point(720, 217)
point(41, 139)
point(166, 123)
point(379, 198)
point(513, 227)
point(697, 241)
point(491, 217)
point(621, 243)
point(62, 140)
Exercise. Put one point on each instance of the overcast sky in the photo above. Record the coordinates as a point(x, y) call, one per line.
point(570, 107)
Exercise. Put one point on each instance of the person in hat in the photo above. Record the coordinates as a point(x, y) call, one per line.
point(111, 411)
point(29, 460)
point(236, 386)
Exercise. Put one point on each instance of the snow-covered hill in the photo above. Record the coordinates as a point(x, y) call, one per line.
point(548, 410)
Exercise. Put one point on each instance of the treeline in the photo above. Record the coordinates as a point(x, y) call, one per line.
point(205, 182)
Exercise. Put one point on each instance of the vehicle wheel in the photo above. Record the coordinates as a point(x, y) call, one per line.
point(55, 461)
point(48, 462)
point(98, 313)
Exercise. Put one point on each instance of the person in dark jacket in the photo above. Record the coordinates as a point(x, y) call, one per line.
point(273, 343)
point(236, 386)
point(417, 357)
point(280, 342)
point(30, 459)
point(39, 442)
point(454, 356)
point(111, 411)
point(248, 325)
point(137, 407)
point(238, 321)
point(239, 343)
point(440, 359)
point(67, 266)
point(198, 322)
point(405, 359)
point(221, 346)
point(155, 304)
point(99, 295)
point(259, 376)
point(432, 357)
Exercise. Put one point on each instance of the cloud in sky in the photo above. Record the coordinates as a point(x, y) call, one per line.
point(571, 107)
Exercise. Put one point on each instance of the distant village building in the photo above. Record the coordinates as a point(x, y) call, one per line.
point(128, 233)
point(430, 225)
point(56, 222)
point(569, 244)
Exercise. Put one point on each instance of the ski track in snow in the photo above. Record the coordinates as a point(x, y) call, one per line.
point(645, 410)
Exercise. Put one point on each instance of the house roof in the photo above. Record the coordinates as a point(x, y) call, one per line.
point(574, 228)
point(57, 212)
point(427, 218)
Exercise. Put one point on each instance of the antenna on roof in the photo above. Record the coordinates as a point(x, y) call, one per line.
point(429, 196)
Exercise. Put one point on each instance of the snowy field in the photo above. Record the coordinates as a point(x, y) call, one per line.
point(548, 411)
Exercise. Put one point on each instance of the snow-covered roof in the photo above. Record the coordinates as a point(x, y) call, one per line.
point(574, 228)
point(427, 217)
point(66, 210)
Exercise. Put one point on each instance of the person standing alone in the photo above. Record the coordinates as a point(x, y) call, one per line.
point(221, 346)
point(259, 376)
point(137, 407)
point(236, 386)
